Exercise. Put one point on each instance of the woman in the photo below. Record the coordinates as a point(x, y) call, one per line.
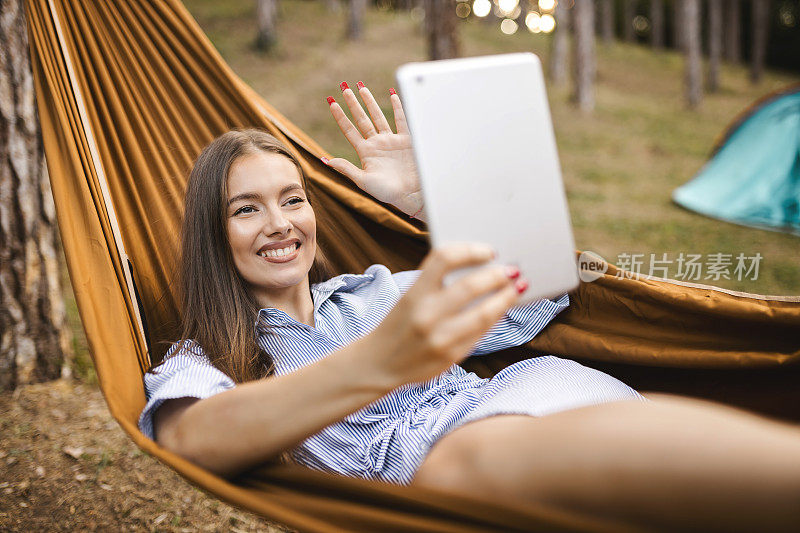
point(362, 368)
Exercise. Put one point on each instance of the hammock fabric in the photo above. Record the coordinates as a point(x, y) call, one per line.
point(128, 94)
point(753, 176)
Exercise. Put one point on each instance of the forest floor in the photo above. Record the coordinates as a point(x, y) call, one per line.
point(65, 465)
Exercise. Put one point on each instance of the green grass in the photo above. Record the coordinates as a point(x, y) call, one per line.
point(620, 163)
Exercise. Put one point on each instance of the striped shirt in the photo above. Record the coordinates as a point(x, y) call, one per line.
point(388, 439)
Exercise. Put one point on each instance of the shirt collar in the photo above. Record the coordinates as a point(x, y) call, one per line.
point(320, 292)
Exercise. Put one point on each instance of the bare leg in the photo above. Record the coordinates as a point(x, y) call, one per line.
point(672, 463)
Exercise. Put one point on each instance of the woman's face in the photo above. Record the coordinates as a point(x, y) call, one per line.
point(271, 226)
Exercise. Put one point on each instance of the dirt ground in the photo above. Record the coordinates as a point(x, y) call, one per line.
point(66, 465)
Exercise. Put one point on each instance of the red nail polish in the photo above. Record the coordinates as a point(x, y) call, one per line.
point(330, 100)
point(360, 84)
point(512, 272)
point(343, 86)
point(521, 285)
point(391, 91)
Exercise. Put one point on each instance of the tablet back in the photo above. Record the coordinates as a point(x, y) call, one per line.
point(486, 152)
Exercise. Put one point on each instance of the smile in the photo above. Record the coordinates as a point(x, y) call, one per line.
point(281, 255)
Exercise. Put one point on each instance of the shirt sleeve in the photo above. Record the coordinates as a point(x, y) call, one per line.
point(405, 279)
point(184, 373)
point(520, 324)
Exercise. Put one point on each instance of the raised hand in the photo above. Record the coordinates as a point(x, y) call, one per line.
point(389, 172)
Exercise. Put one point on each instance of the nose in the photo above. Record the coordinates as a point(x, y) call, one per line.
point(276, 223)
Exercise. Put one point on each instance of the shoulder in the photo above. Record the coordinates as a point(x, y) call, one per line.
point(376, 277)
point(181, 354)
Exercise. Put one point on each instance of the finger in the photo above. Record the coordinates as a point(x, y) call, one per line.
point(363, 122)
point(350, 132)
point(399, 114)
point(475, 285)
point(374, 109)
point(467, 327)
point(444, 259)
point(346, 167)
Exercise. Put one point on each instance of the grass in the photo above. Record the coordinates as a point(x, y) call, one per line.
point(620, 163)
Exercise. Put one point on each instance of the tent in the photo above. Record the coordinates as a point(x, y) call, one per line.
point(129, 92)
point(753, 175)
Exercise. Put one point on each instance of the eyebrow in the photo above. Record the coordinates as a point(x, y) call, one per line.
point(257, 196)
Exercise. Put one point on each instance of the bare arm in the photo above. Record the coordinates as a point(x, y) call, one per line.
point(254, 422)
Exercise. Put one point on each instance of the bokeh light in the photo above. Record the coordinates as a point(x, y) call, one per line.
point(641, 24)
point(547, 5)
point(481, 8)
point(463, 10)
point(508, 26)
point(547, 23)
point(507, 6)
point(534, 22)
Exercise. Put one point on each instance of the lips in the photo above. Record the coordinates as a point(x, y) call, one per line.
point(288, 253)
point(279, 245)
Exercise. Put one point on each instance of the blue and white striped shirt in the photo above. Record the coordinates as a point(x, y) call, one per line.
point(388, 439)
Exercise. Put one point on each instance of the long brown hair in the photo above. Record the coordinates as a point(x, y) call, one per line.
point(217, 310)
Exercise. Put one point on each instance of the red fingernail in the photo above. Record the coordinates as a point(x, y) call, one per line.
point(325, 160)
point(391, 91)
point(330, 100)
point(343, 86)
point(521, 285)
point(512, 272)
point(360, 85)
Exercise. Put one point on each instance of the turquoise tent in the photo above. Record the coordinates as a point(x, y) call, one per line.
point(753, 176)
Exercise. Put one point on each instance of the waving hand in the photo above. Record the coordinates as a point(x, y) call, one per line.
point(388, 171)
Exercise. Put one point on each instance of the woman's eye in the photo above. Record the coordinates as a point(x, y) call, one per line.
point(244, 209)
point(299, 200)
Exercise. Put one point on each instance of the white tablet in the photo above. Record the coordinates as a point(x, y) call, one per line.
point(484, 143)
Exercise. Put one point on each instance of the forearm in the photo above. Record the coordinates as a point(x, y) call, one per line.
point(256, 421)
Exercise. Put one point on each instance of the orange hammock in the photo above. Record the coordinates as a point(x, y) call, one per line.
point(128, 94)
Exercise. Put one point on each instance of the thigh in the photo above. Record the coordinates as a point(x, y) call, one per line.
point(455, 460)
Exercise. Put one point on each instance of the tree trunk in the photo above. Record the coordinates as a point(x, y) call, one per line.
point(714, 43)
point(760, 22)
point(606, 20)
point(440, 27)
point(266, 15)
point(679, 26)
point(733, 31)
point(560, 50)
point(34, 340)
point(333, 6)
point(355, 19)
point(657, 24)
point(628, 13)
point(694, 71)
point(583, 29)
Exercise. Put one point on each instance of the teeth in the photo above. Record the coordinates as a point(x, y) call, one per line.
point(280, 252)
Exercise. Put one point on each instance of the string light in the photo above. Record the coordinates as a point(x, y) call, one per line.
point(534, 22)
point(507, 6)
point(508, 26)
point(463, 9)
point(547, 23)
point(547, 5)
point(481, 8)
